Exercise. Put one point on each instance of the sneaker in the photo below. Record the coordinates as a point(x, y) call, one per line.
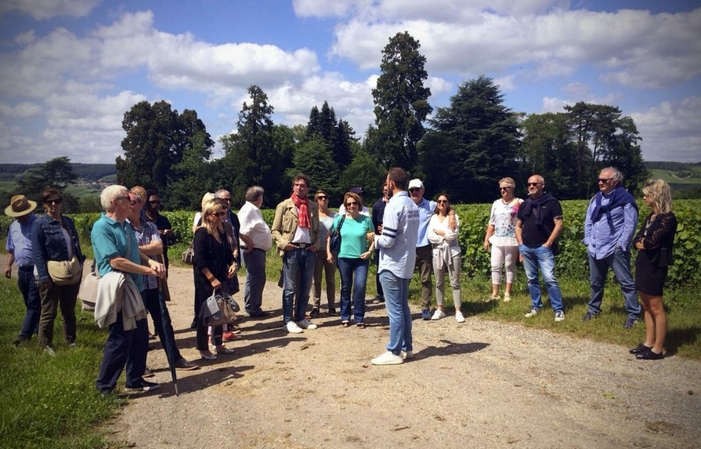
point(407, 355)
point(147, 374)
point(49, 351)
point(532, 313)
point(292, 328)
point(438, 314)
point(306, 324)
point(72, 345)
point(494, 298)
point(425, 315)
point(590, 316)
point(507, 297)
point(314, 313)
point(560, 316)
point(630, 322)
point(388, 358)
point(143, 385)
point(459, 317)
point(230, 336)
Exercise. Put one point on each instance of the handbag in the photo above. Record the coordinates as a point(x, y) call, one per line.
point(88, 289)
point(336, 236)
point(219, 309)
point(65, 272)
point(188, 255)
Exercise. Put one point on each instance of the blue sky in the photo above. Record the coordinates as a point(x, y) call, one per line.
point(70, 69)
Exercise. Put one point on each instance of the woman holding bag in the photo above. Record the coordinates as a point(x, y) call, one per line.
point(55, 239)
point(213, 266)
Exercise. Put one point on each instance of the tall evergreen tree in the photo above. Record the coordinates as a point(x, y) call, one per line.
point(486, 138)
point(55, 174)
point(401, 103)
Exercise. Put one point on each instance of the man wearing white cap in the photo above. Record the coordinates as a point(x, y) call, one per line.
point(19, 248)
point(424, 255)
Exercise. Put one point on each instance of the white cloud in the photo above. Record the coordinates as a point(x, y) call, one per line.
point(22, 110)
point(670, 131)
point(47, 9)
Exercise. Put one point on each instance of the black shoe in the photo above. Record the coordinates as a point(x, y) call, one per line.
point(630, 322)
point(640, 349)
point(259, 315)
point(143, 385)
point(185, 365)
point(332, 311)
point(21, 339)
point(314, 313)
point(590, 316)
point(379, 298)
point(193, 325)
point(650, 355)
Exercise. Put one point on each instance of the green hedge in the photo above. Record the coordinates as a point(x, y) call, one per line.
point(473, 217)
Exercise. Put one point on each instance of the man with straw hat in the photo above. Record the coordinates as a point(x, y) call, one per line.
point(19, 248)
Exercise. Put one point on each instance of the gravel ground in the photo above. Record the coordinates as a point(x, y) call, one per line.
point(481, 384)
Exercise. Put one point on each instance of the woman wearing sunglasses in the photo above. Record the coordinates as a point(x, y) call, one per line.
point(353, 257)
point(446, 256)
point(213, 263)
point(55, 239)
point(326, 219)
point(501, 234)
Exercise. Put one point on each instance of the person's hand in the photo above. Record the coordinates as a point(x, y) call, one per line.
point(216, 285)
point(158, 268)
point(366, 255)
point(248, 249)
point(329, 258)
point(486, 245)
point(8, 272)
point(289, 247)
point(232, 270)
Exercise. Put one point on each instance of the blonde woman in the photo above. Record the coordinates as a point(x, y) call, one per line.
point(447, 258)
point(654, 244)
point(213, 264)
point(501, 235)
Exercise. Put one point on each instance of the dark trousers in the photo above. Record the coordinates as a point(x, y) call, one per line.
point(377, 273)
point(28, 287)
point(123, 347)
point(64, 296)
point(255, 281)
point(153, 305)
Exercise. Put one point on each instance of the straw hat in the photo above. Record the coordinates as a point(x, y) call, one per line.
point(19, 206)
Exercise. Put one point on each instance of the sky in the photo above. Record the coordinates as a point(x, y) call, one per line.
point(70, 69)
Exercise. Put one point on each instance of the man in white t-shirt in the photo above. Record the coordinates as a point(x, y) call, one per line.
point(258, 234)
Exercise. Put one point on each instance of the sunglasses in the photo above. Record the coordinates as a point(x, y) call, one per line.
point(504, 188)
point(155, 202)
point(122, 197)
point(351, 203)
point(533, 184)
point(442, 201)
point(321, 197)
point(414, 190)
point(54, 201)
point(603, 180)
point(218, 214)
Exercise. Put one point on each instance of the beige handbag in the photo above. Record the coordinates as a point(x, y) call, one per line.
point(65, 272)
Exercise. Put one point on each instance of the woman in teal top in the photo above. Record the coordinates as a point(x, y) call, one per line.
point(353, 257)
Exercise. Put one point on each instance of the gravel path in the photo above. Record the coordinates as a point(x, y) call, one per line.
point(481, 384)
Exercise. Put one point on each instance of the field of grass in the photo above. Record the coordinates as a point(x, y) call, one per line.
point(677, 178)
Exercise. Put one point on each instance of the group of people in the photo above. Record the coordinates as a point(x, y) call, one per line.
point(403, 233)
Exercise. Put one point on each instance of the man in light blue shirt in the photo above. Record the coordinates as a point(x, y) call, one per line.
point(19, 249)
point(397, 244)
point(609, 227)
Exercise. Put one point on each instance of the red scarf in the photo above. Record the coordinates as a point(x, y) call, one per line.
point(301, 204)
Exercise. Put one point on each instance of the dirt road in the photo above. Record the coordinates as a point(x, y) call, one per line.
point(480, 384)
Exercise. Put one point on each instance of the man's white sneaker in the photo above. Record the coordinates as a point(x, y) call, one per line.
point(532, 313)
point(560, 316)
point(507, 297)
point(459, 317)
point(306, 324)
point(438, 314)
point(407, 355)
point(387, 358)
point(292, 328)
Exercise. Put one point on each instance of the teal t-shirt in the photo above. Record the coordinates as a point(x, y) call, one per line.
point(354, 239)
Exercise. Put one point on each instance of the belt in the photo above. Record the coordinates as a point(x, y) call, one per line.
point(301, 245)
point(26, 268)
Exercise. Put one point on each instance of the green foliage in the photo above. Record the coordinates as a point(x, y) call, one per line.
point(55, 174)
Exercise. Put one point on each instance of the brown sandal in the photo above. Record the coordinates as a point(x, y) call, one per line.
point(361, 325)
point(344, 323)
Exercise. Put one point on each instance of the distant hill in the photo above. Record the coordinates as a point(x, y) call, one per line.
point(85, 172)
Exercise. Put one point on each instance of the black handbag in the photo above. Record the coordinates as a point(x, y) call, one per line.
point(335, 243)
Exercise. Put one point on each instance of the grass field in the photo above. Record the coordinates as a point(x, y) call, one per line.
point(675, 178)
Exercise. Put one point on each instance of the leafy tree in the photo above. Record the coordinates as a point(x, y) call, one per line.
point(157, 137)
point(363, 171)
point(314, 159)
point(56, 174)
point(336, 136)
point(486, 138)
point(401, 103)
point(192, 176)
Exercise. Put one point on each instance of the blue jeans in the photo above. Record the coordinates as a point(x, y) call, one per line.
point(397, 303)
point(619, 262)
point(28, 287)
point(354, 272)
point(123, 347)
point(255, 281)
point(298, 271)
point(533, 259)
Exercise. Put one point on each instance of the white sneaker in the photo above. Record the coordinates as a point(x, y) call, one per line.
point(292, 328)
point(438, 314)
point(459, 317)
point(560, 316)
point(507, 297)
point(49, 351)
point(407, 355)
point(306, 324)
point(387, 358)
point(532, 313)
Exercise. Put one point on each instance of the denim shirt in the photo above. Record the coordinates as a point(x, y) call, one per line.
point(48, 243)
point(603, 237)
point(19, 241)
point(426, 209)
